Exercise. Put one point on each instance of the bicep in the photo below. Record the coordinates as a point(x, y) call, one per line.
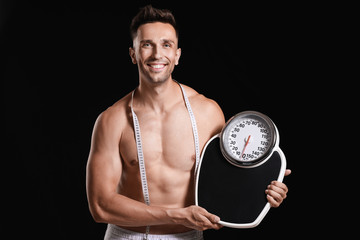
point(104, 164)
point(103, 173)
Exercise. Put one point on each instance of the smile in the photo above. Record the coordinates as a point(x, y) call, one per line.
point(157, 67)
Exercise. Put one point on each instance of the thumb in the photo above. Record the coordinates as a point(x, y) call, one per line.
point(212, 217)
point(287, 172)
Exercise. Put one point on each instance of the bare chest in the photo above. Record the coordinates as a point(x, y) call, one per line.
point(167, 142)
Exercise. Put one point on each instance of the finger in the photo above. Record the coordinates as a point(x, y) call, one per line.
point(287, 172)
point(214, 220)
point(209, 220)
point(212, 217)
point(218, 226)
point(204, 223)
point(272, 201)
point(279, 185)
point(281, 189)
point(275, 195)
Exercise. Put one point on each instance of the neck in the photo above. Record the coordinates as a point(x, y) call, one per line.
point(156, 96)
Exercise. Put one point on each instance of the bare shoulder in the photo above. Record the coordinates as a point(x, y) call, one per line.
point(117, 113)
point(110, 123)
point(208, 106)
point(207, 111)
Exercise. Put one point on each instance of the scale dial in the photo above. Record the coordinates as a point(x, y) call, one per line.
point(248, 139)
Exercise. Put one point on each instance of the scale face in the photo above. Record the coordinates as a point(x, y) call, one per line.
point(247, 139)
point(235, 168)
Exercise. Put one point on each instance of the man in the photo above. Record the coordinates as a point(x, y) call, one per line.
point(154, 127)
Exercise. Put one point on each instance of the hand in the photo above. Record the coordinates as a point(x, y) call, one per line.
point(276, 191)
point(195, 217)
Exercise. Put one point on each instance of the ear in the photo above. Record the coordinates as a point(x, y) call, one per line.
point(177, 56)
point(132, 55)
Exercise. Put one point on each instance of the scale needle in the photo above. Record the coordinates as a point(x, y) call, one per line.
point(247, 141)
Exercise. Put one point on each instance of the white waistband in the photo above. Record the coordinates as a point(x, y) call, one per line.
point(114, 232)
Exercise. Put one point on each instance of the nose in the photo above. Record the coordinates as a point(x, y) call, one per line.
point(156, 52)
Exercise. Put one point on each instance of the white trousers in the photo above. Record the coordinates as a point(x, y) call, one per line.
point(114, 232)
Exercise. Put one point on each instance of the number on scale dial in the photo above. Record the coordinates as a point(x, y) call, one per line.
point(249, 131)
point(248, 138)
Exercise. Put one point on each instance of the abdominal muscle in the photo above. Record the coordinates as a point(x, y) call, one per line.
point(168, 187)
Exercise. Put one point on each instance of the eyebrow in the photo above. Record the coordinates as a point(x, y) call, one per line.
point(168, 41)
point(162, 40)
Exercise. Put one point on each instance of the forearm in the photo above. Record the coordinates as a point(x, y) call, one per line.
point(123, 211)
point(120, 210)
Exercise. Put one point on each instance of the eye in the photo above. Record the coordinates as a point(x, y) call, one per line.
point(146, 45)
point(167, 45)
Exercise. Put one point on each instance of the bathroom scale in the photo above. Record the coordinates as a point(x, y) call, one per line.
point(235, 168)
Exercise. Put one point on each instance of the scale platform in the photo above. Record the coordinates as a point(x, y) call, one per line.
point(236, 194)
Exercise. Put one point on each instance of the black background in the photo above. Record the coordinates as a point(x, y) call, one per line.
point(67, 61)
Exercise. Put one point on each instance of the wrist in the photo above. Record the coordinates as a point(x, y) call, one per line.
point(174, 215)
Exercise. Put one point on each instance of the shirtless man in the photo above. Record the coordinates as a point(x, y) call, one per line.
point(114, 186)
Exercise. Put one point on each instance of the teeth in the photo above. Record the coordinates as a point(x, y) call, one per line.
point(157, 66)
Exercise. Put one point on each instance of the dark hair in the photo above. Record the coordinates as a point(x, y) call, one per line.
point(148, 14)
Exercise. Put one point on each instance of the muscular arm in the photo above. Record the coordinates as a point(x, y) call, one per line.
point(103, 175)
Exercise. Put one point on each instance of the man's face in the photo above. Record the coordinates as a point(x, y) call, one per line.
point(155, 50)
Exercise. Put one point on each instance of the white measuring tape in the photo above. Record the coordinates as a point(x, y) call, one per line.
point(140, 157)
point(140, 153)
point(195, 131)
